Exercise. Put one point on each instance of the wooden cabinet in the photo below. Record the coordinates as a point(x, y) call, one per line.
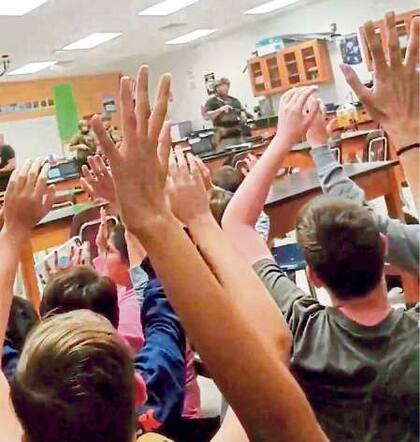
point(403, 22)
point(303, 64)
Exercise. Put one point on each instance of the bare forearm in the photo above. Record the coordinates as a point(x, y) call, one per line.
point(248, 201)
point(9, 257)
point(410, 161)
point(214, 114)
point(221, 333)
point(242, 283)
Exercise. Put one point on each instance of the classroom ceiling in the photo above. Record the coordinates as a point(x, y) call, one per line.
point(37, 36)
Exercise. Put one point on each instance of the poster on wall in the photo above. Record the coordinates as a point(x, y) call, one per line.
point(350, 49)
point(209, 82)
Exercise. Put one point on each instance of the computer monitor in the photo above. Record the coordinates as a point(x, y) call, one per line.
point(201, 145)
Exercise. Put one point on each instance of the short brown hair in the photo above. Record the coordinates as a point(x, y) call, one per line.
point(228, 178)
point(342, 244)
point(81, 288)
point(219, 200)
point(75, 382)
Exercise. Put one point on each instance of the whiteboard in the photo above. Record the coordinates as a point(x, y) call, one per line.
point(32, 138)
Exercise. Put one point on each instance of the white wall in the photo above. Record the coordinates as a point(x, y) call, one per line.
point(32, 138)
point(227, 55)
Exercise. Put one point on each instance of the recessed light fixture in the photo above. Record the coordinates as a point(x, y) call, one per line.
point(32, 68)
point(191, 36)
point(92, 41)
point(270, 6)
point(19, 7)
point(167, 7)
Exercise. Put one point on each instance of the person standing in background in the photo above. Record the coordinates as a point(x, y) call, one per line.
point(227, 115)
point(83, 144)
point(111, 130)
point(7, 163)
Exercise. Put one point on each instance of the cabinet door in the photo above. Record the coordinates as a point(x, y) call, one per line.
point(310, 59)
point(274, 77)
point(257, 74)
point(292, 64)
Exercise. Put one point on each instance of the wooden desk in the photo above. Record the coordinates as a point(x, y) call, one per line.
point(291, 192)
point(352, 144)
point(52, 231)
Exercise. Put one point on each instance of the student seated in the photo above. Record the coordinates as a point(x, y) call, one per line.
point(346, 358)
point(122, 257)
point(75, 382)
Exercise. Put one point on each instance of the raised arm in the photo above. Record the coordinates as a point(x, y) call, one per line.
point(27, 194)
point(246, 205)
point(209, 312)
point(394, 99)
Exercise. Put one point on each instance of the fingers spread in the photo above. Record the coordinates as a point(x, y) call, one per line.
point(160, 109)
point(164, 146)
point(412, 57)
point(181, 161)
point(105, 142)
point(354, 82)
point(128, 120)
point(33, 173)
point(142, 109)
point(393, 41)
point(41, 182)
point(374, 43)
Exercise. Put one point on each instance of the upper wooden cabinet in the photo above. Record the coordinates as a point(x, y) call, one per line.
point(303, 64)
point(403, 22)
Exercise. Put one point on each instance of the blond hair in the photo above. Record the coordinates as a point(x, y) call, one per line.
point(75, 381)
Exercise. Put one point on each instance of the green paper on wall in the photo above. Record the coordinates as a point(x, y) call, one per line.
point(66, 111)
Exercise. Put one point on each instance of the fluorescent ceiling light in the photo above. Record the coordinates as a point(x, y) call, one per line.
point(194, 35)
point(92, 41)
point(167, 7)
point(270, 6)
point(19, 7)
point(31, 68)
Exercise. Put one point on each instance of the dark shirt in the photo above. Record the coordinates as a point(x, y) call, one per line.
point(362, 382)
point(6, 154)
point(225, 119)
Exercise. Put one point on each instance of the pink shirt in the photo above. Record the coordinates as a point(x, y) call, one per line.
point(129, 325)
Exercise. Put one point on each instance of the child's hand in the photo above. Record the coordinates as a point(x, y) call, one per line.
point(187, 194)
point(101, 240)
point(317, 134)
point(28, 199)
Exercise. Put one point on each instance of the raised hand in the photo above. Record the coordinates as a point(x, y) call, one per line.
point(295, 113)
point(247, 164)
point(205, 173)
point(28, 199)
point(77, 257)
point(317, 134)
point(187, 193)
point(394, 99)
point(101, 239)
point(97, 181)
point(138, 174)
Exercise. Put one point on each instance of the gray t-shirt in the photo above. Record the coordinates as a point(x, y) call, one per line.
point(362, 382)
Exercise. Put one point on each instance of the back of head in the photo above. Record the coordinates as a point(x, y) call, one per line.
point(81, 288)
point(342, 245)
point(228, 178)
point(219, 199)
point(75, 382)
point(119, 242)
